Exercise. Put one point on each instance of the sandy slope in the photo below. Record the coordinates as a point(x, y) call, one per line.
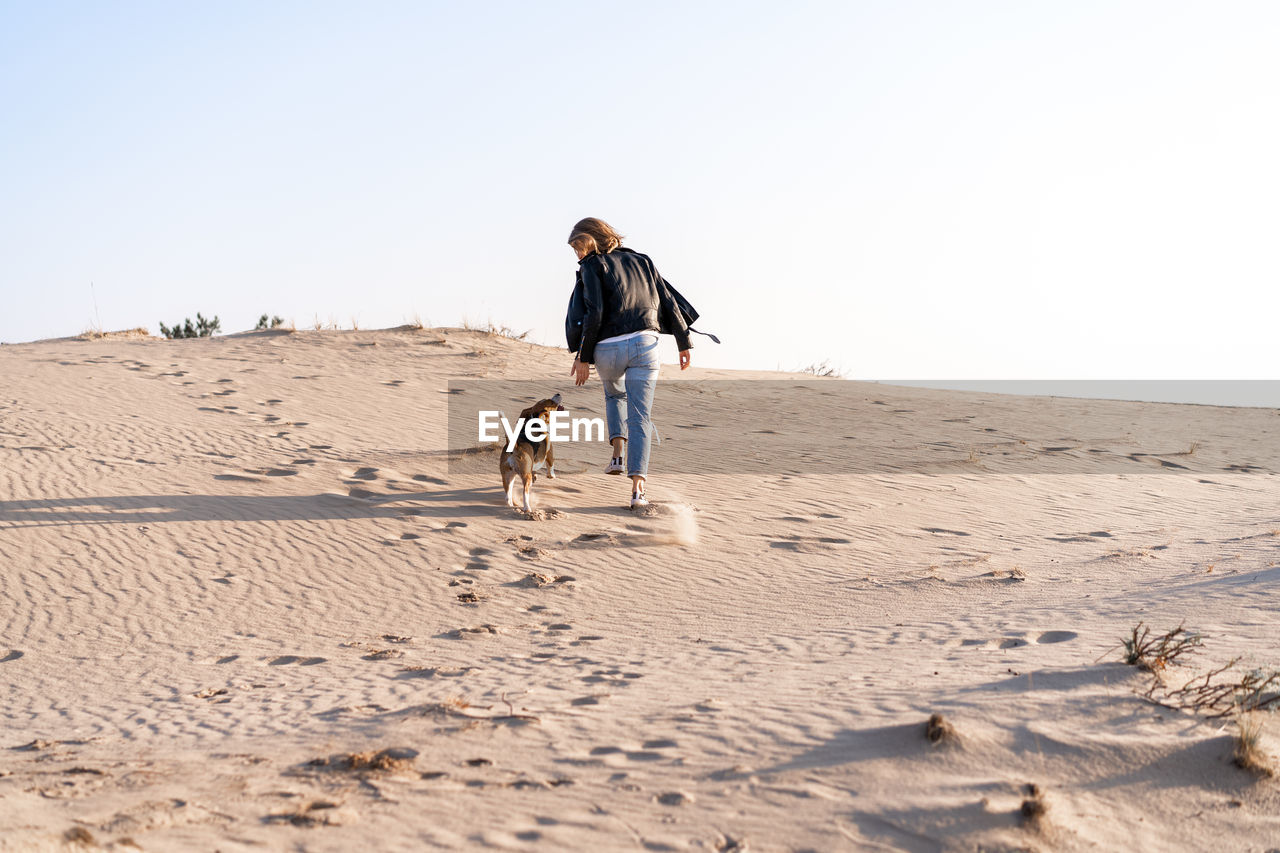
point(223, 559)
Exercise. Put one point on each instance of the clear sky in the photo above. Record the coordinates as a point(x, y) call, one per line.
point(910, 190)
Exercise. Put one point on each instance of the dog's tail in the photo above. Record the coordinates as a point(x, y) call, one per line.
point(502, 443)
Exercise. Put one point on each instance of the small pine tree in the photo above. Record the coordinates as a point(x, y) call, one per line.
point(202, 328)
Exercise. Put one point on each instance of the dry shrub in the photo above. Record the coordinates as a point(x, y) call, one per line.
point(822, 369)
point(1156, 653)
point(1255, 690)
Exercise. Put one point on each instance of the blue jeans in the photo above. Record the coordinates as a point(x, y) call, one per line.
point(629, 371)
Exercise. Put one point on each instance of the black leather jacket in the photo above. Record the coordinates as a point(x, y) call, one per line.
point(622, 292)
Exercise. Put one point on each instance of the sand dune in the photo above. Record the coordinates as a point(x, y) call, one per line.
point(256, 596)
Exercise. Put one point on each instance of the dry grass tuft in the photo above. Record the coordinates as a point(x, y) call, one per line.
point(1034, 810)
point(79, 835)
point(1248, 752)
point(97, 335)
point(940, 732)
point(393, 759)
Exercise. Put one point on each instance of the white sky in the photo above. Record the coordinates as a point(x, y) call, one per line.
point(910, 190)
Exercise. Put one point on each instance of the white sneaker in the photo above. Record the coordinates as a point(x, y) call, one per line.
point(638, 499)
point(614, 466)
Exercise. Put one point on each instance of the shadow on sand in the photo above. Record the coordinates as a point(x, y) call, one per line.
point(153, 509)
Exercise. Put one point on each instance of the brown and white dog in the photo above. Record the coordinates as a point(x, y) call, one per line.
point(527, 453)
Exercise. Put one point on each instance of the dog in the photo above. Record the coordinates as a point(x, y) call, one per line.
point(519, 462)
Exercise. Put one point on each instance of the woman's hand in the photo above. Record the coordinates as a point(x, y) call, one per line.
point(580, 372)
point(684, 359)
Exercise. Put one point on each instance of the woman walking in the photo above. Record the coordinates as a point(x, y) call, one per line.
point(625, 302)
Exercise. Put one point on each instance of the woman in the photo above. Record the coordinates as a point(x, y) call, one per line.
point(624, 303)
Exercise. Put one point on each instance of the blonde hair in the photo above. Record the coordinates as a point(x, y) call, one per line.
point(593, 235)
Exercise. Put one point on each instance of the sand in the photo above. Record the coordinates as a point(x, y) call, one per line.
point(253, 599)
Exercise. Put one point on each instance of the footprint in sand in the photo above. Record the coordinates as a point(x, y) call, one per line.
point(427, 478)
point(383, 654)
point(650, 750)
point(433, 671)
point(538, 580)
point(1080, 537)
point(1056, 637)
point(11, 654)
point(286, 660)
point(365, 474)
point(470, 633)
point(615, 677)
point(801, 543)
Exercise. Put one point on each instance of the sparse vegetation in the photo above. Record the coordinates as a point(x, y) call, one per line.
point(98, 334)
point(265, 322)
point(496, 331)
point(202, 328)
point(1156, 653)
point(823, 369)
